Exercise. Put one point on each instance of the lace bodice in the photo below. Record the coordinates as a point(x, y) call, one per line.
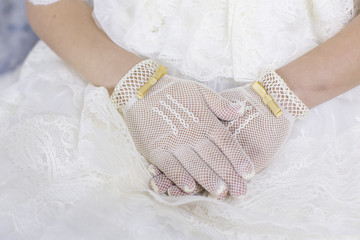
point(212, 40)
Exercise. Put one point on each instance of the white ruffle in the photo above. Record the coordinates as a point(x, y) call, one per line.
point(43, 2)
point(69, 170)
point(47, 2)
point(209, 40)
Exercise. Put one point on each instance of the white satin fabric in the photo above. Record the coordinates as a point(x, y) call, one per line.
point(69, 168)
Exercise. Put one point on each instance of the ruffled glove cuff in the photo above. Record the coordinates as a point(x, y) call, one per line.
point(283, 96)
point(125, 91)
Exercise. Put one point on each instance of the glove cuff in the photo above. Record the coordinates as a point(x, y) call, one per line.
point(127, 87)
point(283, 96)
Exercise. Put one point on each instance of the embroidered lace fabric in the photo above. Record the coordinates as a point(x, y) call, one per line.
point(245, 37)
point(47, 2)
point(43, 2)
point(69, 168)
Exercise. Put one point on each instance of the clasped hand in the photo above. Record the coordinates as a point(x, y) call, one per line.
point(197, 139)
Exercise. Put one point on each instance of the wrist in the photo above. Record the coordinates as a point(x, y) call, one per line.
point(283, 96)
point(297, 82)
point(114, 66)
point(126, 89)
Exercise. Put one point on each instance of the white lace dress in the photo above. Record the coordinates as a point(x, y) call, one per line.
point(69, 169)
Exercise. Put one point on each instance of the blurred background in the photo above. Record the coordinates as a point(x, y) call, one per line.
point(16, 36)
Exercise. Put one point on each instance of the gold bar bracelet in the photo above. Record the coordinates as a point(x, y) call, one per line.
point(160, 72)
point(267, 99)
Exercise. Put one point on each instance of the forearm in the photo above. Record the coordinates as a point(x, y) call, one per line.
point(328, 70)
point(68, 28)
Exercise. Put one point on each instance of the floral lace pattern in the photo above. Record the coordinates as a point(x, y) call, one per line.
point(212, 40)
point(69, 168)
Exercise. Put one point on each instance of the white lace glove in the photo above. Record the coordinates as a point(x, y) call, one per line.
point(258, 130)
point(176, 127)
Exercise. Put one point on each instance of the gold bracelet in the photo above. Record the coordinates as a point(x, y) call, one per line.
point(267, 99)
point(160, 72)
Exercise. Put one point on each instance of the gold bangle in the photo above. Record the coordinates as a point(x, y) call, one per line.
point(267, 99)
point(160, 72)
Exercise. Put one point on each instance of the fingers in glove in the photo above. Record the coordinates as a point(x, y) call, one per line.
point(233, 151)
point(221, 107)
point(153, 170)
point(200, 171)
point(161, 184)
point(172, 168)
point(217, 161)
point(175, 191)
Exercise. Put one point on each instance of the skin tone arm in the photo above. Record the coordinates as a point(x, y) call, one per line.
point(68, 28)
point(328, 70)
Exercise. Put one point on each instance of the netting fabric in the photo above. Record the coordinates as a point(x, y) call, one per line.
point(260, 133)
point(176, 127)
point(282, 94)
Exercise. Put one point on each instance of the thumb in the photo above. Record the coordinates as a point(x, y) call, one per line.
point(222, 108)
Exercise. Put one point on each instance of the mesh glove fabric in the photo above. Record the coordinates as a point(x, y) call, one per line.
point(176, 127)
point(260, 133)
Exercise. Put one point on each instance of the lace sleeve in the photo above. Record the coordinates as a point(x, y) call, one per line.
point(47, 2)
point(43, 2)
